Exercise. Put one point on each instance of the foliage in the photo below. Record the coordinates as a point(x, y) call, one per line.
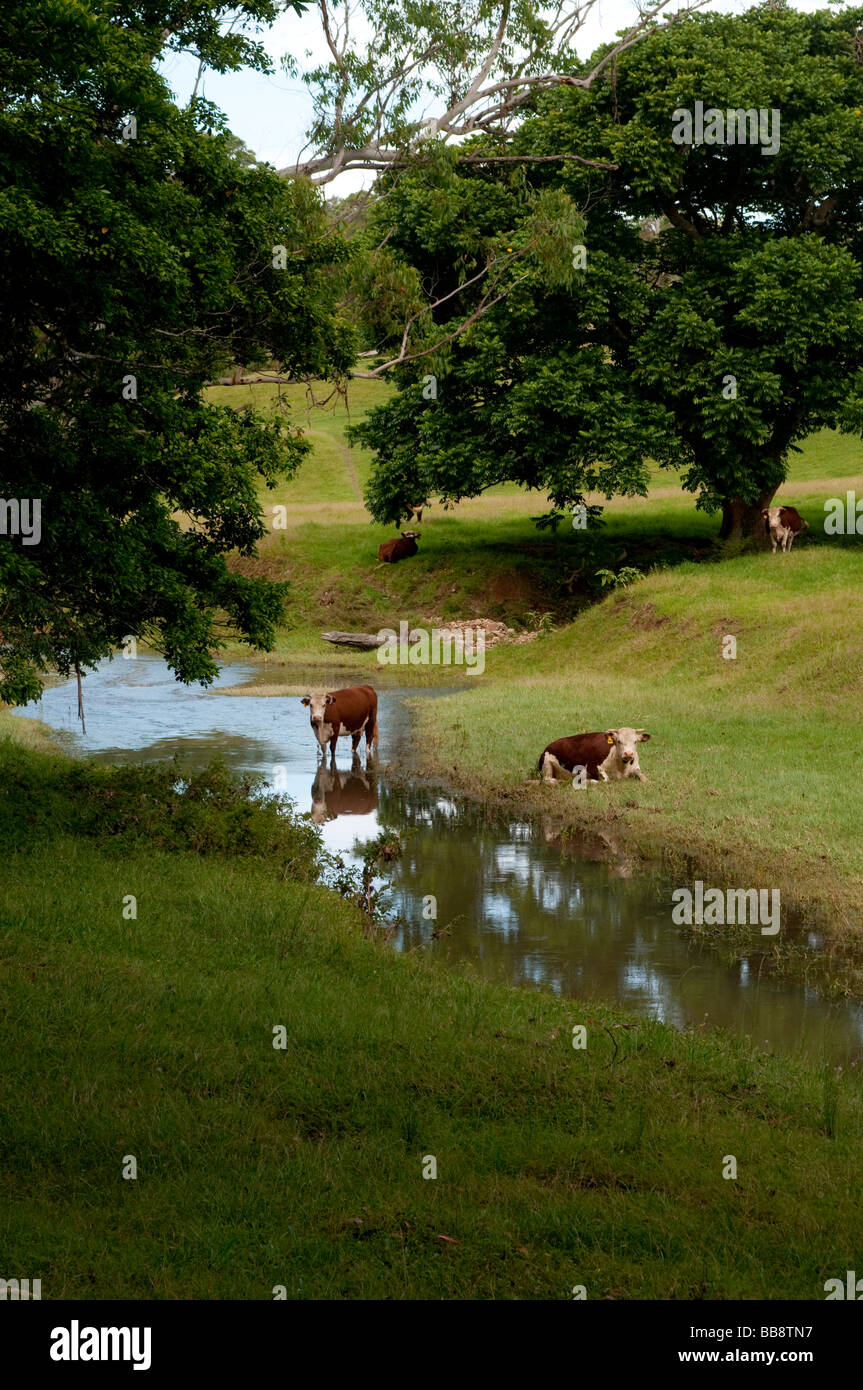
point(396, 73)
point(625, 576)
point(366, 888)
point(158, 805)
point(717, 319)
point(137, 262)
point(539, 622)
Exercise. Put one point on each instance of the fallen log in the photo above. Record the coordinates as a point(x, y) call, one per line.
point(366, 640)
point(252, 380)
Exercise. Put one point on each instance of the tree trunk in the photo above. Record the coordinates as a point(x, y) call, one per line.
point(366, 640)
point(743, 519)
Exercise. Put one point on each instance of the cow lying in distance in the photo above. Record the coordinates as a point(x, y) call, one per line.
point(603, 756)
point(782, 524)
point(344, 713)
point(400, 548)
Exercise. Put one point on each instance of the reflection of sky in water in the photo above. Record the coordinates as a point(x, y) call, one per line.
point(343, 833)
point(498, 910)
point(640, 981)
point(513, 860)
point(507, 900)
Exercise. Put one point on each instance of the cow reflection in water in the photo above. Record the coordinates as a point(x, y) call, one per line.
point(592, 845)
point(336, 793)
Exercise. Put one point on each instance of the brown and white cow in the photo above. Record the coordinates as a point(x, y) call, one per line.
point(782, 524)
point(400, 548)
point(604, 756)
point(336, 714)
point(336, 793)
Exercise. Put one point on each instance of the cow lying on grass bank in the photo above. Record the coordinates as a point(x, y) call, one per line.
point(597, 757)
point(405, 545)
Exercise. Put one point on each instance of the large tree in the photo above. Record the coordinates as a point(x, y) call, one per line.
point(140, 257)
point(714, 316)
point(398, 71)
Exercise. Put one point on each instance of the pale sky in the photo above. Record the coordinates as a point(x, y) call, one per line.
point(271, 114)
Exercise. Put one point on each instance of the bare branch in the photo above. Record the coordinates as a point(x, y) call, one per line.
point(534, 159)
point(489, 299)
point(508, 69)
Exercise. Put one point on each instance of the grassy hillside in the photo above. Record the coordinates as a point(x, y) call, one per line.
point(747, 756)
point(750, 760)
point(484, 558)
point(302, 1167)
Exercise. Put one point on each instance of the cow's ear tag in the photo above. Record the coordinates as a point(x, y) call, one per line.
point(610, 739)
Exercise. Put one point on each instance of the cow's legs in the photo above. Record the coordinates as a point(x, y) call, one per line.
point(333, 741)
point(550, 768)
point(355, 741)
point(371, 737)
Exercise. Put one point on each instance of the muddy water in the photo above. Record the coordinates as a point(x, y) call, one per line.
point(585, 924)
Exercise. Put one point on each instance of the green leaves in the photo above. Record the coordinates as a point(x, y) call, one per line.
point(716, 319)
point(138, 264)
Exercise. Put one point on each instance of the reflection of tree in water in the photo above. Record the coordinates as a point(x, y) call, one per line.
point(527, 908)
point(522, 906)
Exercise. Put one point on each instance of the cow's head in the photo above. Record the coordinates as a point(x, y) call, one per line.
point(625, 742)
point(411, 535)
point(317, 703)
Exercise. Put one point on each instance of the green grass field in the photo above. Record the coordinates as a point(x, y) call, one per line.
point(747, 756)
point(484, 558)
point(302, 1167)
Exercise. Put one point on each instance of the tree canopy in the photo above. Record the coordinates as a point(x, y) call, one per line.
point(397, 72)
point(141, 256)
point(710, 315)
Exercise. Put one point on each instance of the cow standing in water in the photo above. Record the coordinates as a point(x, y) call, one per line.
point(336, 714)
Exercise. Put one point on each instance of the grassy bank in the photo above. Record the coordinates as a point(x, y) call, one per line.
point(302, 1167)
point(484, 558)
point(751, 759)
